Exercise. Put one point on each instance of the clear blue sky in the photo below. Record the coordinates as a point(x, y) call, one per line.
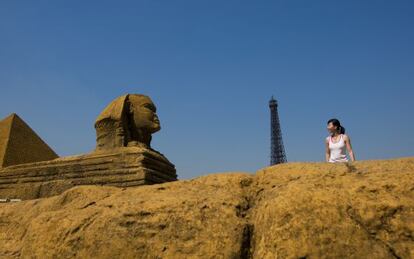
point(211, 67)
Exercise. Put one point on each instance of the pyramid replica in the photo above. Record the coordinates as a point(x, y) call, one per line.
point(123, 157)
point(19, 144)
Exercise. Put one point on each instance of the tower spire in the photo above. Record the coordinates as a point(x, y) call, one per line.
point(277, 150)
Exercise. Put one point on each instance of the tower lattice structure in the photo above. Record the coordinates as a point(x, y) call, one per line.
point(277, 150)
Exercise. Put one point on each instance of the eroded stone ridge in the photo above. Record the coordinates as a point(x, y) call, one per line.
point(363, 209)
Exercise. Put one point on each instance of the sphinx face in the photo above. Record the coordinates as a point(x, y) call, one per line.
point(143, 111)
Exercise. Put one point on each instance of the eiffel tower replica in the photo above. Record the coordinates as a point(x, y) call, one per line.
point(277, 150)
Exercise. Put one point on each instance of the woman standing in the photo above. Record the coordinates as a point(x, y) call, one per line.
point(337, 143)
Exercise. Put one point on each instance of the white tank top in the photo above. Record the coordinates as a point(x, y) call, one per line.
point(338, 150)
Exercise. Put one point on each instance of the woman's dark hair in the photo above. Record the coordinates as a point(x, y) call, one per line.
point(336, 123)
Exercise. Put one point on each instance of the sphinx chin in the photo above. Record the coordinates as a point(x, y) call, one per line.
point(156, 129)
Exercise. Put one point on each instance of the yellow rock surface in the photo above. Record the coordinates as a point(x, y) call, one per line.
point(296, 210)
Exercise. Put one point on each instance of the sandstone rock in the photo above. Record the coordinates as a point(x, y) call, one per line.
point(174, 220)
point(322, 210)
point(363, 209)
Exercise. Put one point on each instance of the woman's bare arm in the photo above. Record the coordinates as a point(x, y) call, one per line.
point(349, 147)
point(327, 151)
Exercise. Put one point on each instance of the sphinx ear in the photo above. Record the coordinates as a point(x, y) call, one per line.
point(127, 121)
point(128, 107)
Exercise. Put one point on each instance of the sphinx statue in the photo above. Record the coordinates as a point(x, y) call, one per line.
point(127, 121)
point(123, 156)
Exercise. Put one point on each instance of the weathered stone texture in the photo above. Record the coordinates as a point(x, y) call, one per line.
point(363, 209)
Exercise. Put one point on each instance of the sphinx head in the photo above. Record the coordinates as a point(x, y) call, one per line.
point(129, 120)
